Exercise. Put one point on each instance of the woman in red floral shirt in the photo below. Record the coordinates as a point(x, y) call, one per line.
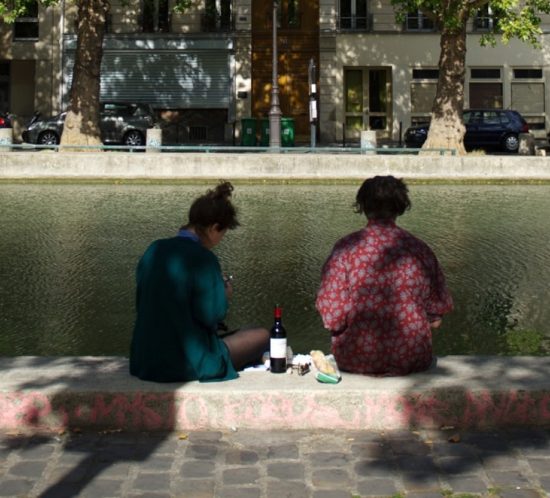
point(382, 290)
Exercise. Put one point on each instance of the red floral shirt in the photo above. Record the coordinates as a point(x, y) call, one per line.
point(380, 288)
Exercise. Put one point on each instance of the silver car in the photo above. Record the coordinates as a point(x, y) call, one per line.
point(120, 123)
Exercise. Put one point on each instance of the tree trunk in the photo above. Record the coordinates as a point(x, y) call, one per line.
point(82, 121)
point(446, 126)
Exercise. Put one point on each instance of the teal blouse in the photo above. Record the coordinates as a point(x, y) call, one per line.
point(180, 300)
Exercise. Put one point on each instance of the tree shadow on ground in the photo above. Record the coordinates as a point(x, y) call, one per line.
point(102, 429)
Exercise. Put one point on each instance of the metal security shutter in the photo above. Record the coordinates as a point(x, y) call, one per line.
point(168, 79)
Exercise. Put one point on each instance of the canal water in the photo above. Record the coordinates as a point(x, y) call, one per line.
point(68, 255)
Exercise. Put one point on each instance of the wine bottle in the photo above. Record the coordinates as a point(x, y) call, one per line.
point(277, 344)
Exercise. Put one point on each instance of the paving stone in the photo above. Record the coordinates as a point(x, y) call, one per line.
point(159, 464)
point(228, 492)
point(331, 477)
point(201, 451)
point(69, 474)
point(103, 488)
point(243, 475)
point(63, 490)
point(540, 465)
point(424, 494)
point(287, 489)
point(375, 468)
point(419, 463)
point(146, 481)
point(329, 459)
point(518, 493)
point(287, 451)
point(150, 494)
point(377, 487)
point(195, 488)
point(545, 483)
point(420, 481)
point(15, 487)
point(508, 478)
point(240, 457)
point(454, 449)
point(33, 468)
point(487, 441)
point(372, 450)
point(37, 452)
point(197, 468)
point(331, 493)
point(500, 462)
point(286, 470)
point(409, 447)
point(206, 436)
point(467, 484)
point(459, 465)
point(116, 469)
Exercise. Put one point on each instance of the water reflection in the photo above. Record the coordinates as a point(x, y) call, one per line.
point(68, 254)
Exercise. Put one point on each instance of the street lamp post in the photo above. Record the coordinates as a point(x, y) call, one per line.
point(275, 110)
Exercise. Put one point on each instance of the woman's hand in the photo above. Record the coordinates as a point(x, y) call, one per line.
point(228, 282)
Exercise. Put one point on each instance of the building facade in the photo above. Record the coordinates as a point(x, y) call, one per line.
point(207, 68)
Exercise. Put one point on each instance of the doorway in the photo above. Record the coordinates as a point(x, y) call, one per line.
point(368, 98)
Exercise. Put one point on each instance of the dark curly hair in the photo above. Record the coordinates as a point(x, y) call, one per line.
point(382, 197)
point(214, 208)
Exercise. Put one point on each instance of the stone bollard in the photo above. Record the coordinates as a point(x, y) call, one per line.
point(368, 142)
point(6, 139)
point(154, 140)
point(526, 144)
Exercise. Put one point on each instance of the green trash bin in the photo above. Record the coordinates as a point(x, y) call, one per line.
point(264, 132)
point(248, 132)
point(287, 132)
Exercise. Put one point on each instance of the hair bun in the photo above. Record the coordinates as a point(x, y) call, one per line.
point(223, 190)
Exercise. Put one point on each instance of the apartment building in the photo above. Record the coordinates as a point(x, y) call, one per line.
point(209, 67)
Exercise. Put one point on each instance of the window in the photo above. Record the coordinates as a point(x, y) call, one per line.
point(528, 95)
point(486, 93)
point(484, 19)
point(155, 16)
point(417, 21)
point(485, 74)
point(528, 74)
point(423, 88)
point(353, 15)
point(4, 86)
point(216, 16)
point(26, 27)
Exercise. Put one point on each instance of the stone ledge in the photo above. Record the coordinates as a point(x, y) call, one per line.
point(54, 393)
point(48, 165)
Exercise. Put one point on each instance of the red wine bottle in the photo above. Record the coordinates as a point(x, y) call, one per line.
point(277, 344)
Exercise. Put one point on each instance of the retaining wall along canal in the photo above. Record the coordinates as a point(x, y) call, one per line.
point(125, 165)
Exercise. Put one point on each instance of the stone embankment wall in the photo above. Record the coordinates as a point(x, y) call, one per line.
point(125, 165)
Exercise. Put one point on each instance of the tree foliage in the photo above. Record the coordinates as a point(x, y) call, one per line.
point(511, 19)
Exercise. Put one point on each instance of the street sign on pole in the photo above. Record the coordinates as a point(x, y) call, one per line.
point(312, 83)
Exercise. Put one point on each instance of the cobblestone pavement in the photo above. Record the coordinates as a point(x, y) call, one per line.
point(278, 464)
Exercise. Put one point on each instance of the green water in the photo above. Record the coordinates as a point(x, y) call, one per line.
point(68, 254)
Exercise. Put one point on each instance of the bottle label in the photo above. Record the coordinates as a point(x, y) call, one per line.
point(277, 348)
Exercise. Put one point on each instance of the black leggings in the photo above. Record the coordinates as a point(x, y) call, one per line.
point(246, 346)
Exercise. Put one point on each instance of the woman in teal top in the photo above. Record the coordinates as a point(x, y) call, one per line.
point(182, 297)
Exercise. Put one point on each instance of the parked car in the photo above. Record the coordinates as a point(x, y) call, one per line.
point(485, 128)
point(120, 123)
point(5, 120)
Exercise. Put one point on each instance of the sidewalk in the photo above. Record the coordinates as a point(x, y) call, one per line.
point(276, 464)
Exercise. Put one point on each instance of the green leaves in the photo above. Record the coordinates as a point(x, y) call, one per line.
point(511, 18)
